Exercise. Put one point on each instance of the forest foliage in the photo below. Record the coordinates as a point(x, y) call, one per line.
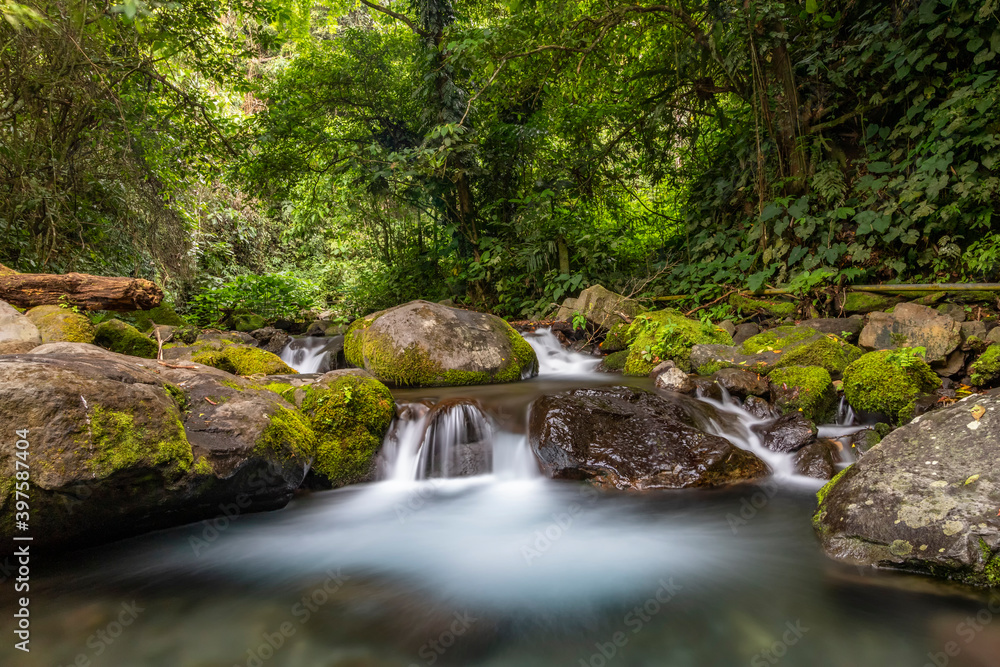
point(501, 154)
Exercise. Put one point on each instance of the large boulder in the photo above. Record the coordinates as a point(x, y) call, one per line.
point(912, 325)
point(925, 499)
point(626, 438)
point(17, 332)
point(423, 344)
point(602, 307)
point(61, 325)
point(117, 448)
point(668, 335)
point(123, 338)
point(888, 383)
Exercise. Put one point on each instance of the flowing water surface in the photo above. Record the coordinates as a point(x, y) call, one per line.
point(464, 555)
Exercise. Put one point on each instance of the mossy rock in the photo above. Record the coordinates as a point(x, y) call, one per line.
point(867, 302)
point(247, 322)
point(747, 306)
point(123, 338)
point(618, 338)
point(423, 344)
point(667, 334)
point(782, 340)
point(350, 415)
point(164, 314)
point(830, 352)
point(240, 359)
point(986, 369)
point(615, 361)
point(876, 383)
point(805, 389)
point(61, 325)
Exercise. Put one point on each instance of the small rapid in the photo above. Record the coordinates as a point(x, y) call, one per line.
point(311, 354)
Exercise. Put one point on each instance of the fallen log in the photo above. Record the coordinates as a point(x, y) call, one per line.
point(27, 290)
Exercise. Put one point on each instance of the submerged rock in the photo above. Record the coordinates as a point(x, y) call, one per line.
point(423, 344)
point(626, 438)
point(925, 499)
point(17, 333)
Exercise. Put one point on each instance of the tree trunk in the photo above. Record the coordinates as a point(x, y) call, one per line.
point(86, 292)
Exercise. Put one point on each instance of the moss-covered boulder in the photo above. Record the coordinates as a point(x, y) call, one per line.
point(17, 332)
point(614, 362)
point(986, 369)
point(618, 338)
point(805, 389)
point(57, 325)
point(228, 356)
point(667, 335)
point(164, 314)
point(924, 499)
point(830, 352)
point(423, 344)
point(110, 449)
point(866, 302)
point(888, 383)
point(781, 340)
point(748, 306)
point(123, 338)
point(247, 322)
point(350, 414)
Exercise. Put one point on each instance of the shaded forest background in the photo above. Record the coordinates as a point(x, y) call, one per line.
point(354, 155)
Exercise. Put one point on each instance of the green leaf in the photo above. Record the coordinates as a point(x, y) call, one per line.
point(812, 6)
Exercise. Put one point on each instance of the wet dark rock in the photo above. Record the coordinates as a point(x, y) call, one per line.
point(271, 339)
point(925, 499)
point(788, 433)
point(818, 459)
point(626, 438)
point(758, 407)
point(741, 383)
point(745, 331)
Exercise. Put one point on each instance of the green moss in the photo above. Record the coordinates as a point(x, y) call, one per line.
point(822, 493)
point(666, 334)
point(350, 417)
point(119, 444)
point(875, 384)
point(177, 395)
point(202, 467)
point(123, 338)
point(163, 314)
point(57, 324)
point(232, 385)
point(748, 306)
point(991, 564)
point(867, 302)
point(618, 338)
point(616, 360)
point(829, 352)
point(287, 435)
point(777, 339)
point(812, 393)
point(248, 322)
point(711, 368)
point(283, 389)
point(986, 369)
point(242, 360)
point(413, 367)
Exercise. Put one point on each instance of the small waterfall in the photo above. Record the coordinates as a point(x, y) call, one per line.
point(312, 354)
point(845, 413)
point(554, 359)
point(452, 438)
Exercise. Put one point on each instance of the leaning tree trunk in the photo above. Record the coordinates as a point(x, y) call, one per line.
point(86, 292)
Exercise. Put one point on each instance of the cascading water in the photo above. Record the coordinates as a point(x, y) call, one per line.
point(554, 359)
point(312, 354)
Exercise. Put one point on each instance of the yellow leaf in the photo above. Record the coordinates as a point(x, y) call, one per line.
point(971, 479)
point(978, 412)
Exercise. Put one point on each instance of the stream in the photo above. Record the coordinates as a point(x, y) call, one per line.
point(463, 554)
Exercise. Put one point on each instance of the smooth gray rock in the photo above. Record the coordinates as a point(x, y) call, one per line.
point(925, 499)
point(674, 379)
point(838, 326)
point(745, 331)
point(18, 334)
point(602, 307)
point(973, 329)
